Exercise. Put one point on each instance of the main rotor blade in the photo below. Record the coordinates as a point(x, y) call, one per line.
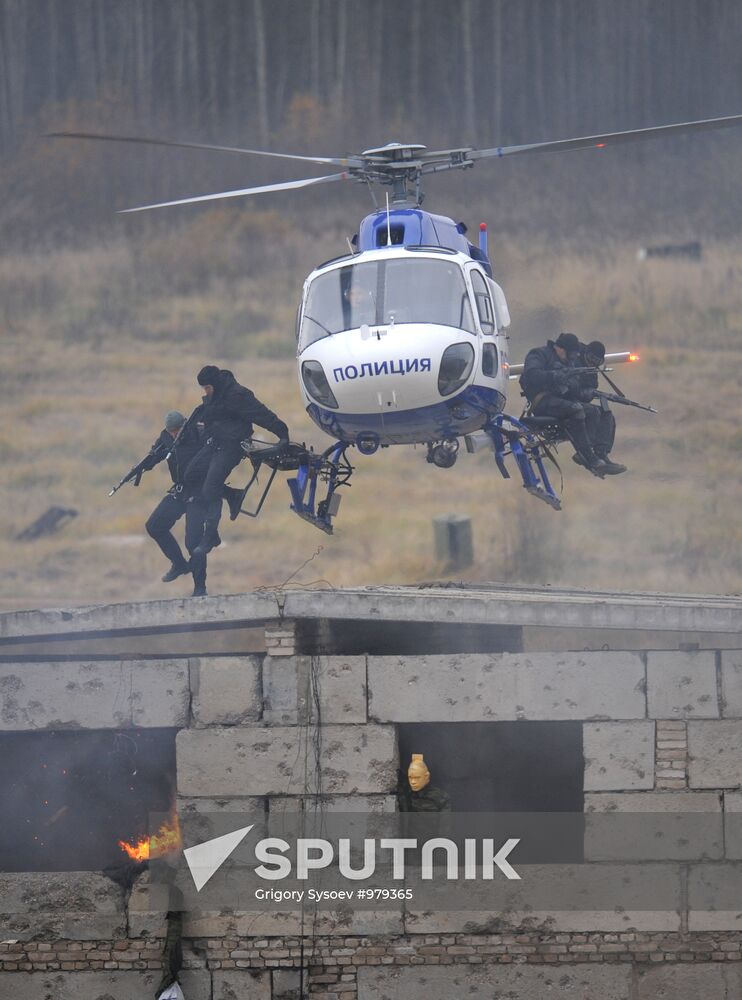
point(607, 139)
point(348, 161)
point(264, 189)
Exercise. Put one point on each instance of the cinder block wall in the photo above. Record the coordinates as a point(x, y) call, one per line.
point(662, 731)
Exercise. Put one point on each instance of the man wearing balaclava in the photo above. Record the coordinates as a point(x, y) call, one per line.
point(228, 415)
point(546, 383)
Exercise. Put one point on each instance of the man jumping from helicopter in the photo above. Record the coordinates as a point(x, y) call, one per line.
point(228, 415)
point(178, 443)
point(550, 386)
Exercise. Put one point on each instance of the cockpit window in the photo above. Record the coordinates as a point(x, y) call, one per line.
point(379, 293)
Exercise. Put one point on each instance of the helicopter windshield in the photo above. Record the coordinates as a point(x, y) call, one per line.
point(377, 293)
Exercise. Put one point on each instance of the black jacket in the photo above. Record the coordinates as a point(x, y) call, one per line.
point(587, 381)
point(232, 410)
point(543, 372)
point(180, 453)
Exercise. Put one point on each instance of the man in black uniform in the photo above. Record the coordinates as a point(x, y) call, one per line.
point(179, 446)
point(228, 414)
point(547, 384)
point(592, 355)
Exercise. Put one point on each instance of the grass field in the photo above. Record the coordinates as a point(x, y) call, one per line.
point(98, 344)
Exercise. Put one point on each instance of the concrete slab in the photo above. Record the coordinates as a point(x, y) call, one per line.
point(644, 896)
point(298, 688)
point(181, 614)
point(80, 906)
point(731, 683)
point(106, 985)
point(715, 754)
point(495, 982)
point(506, 686)
point(733, 825)
point(259, 760)
point(505, 605)
point(241, 984)
point(688, 981)
point(682, 685)
point(619, 756)
point(714, 893)
point(119, 694)
point(653, 826)
point(226, 690)
point(489, 604)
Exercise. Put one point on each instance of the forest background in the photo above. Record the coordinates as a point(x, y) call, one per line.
point(105, 319)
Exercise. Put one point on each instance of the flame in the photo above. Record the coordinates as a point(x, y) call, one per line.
point(165, 841)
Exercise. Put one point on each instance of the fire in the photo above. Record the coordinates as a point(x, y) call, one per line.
point(166, 840)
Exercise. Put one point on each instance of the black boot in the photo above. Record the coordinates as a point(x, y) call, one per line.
point(611, 468)
point(199, 591)
point(234, 499)
point(176, 570)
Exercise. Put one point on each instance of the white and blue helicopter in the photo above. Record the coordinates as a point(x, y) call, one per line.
point(404, 340)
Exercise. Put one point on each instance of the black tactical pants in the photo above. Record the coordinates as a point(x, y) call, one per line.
point(168, 511)
point(579, 420)
point(605, 431)
point(210, 466)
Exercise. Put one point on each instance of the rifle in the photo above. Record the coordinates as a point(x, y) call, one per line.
point(135, 473)
point(609, 397)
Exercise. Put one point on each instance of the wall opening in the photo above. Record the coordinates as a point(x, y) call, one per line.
point(508, 767)
point(68, 798)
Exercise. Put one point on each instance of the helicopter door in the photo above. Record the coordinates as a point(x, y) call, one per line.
point(485, 310)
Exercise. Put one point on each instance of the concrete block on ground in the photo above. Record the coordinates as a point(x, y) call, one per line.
point(733, 825)
point(259, 760)
point(653, 826)
point(498, 687)
point(241, 984)
point(291, 690)
point(714, 894)
point(114, 694)
point(81, 906)
point(731, 683)
point(682, 685)
point(495, 982)
point(98, 985)
point(715, 753)
point(226, 690)
point(686, 981)
point(618, 756)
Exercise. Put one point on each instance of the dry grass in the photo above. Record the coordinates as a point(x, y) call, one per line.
point(98, 344)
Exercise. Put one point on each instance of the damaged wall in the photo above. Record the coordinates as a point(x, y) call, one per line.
point(661, 732)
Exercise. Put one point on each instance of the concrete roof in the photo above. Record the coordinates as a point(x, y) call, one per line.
point(489, 604)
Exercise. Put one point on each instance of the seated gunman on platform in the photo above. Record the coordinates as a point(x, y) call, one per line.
point(592, 355)
point(549, 386)
point(228, 414)
point(178, 443)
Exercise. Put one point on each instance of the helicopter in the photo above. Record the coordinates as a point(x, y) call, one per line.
point(403, 339)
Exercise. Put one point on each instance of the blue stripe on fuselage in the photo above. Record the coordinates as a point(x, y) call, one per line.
point(463, 414)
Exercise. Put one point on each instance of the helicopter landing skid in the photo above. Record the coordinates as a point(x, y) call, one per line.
point(510, 437)
point(330, 466)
